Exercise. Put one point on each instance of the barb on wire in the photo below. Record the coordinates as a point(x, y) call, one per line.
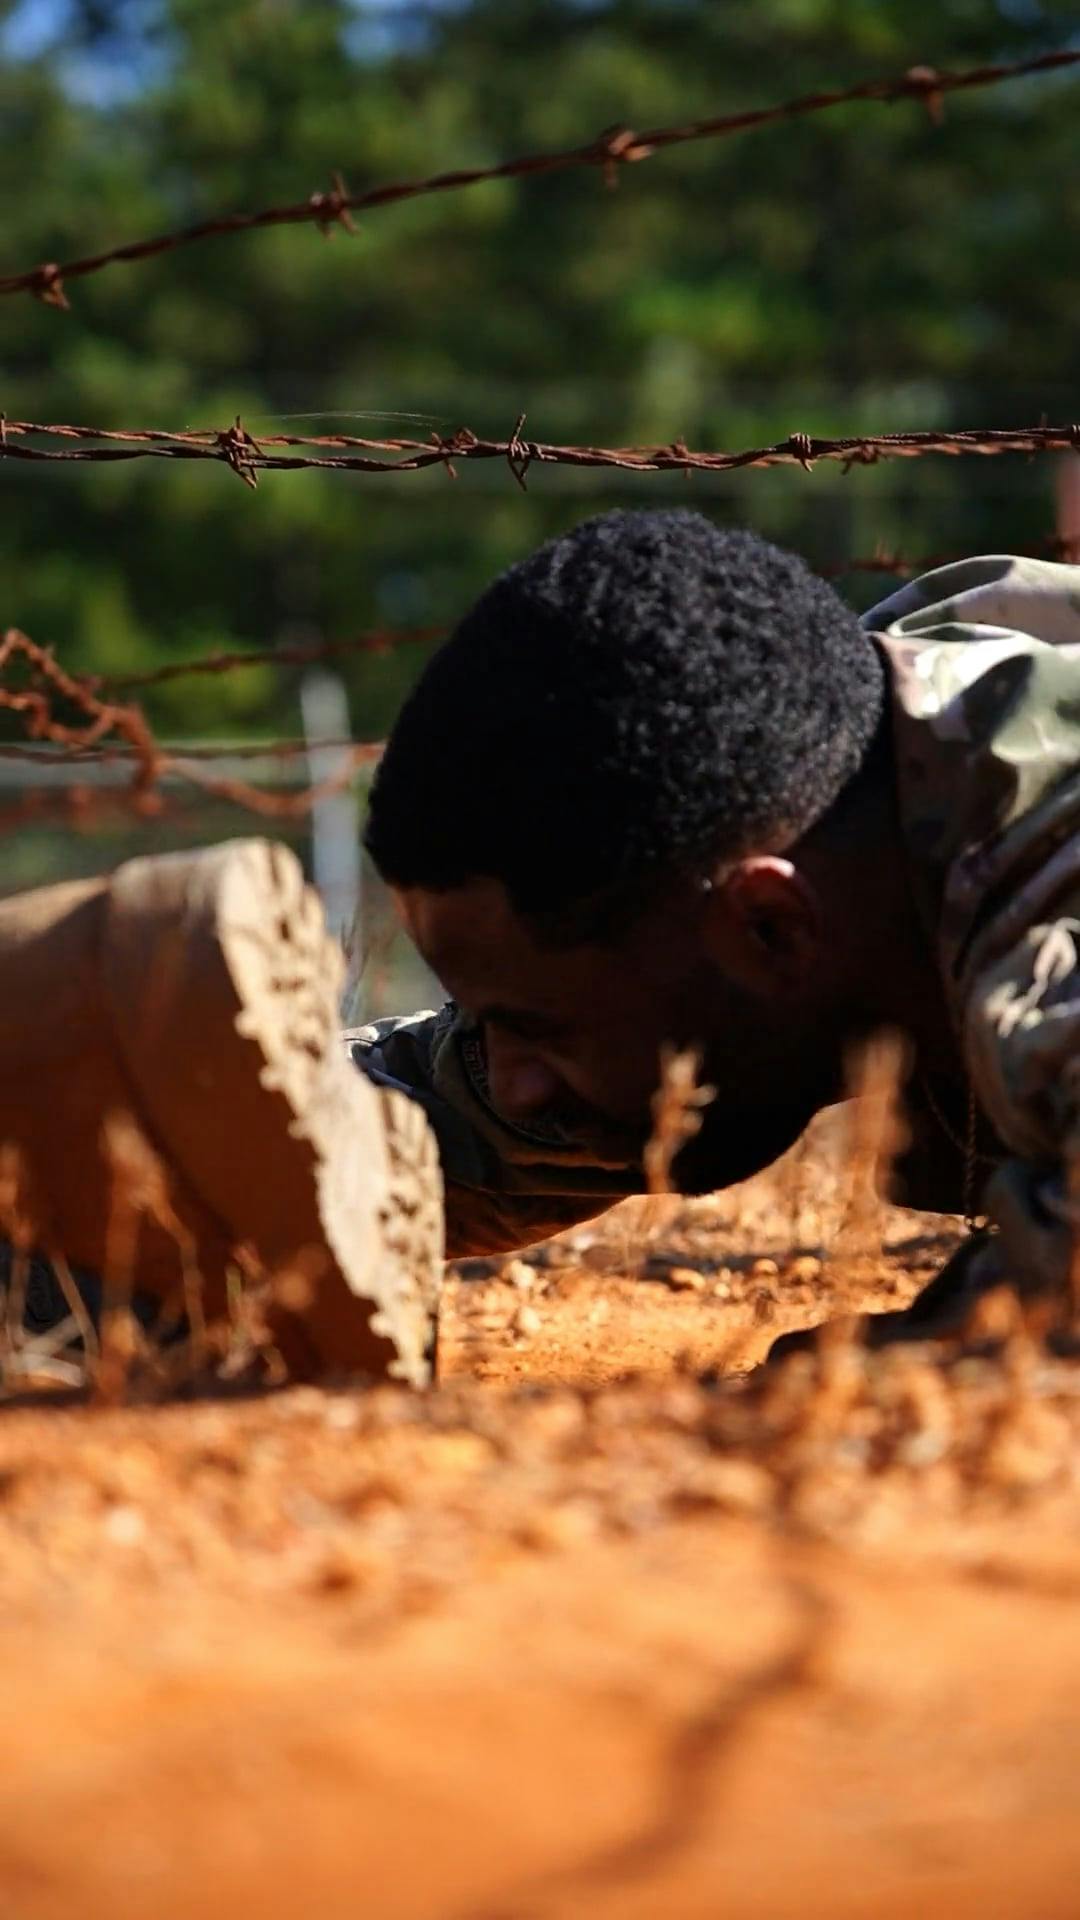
point(350, 453)
point(614, 148)
point(105, 731)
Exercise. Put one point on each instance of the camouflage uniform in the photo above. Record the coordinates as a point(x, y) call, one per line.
point(984, 666)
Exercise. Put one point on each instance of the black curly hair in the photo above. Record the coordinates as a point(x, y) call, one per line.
point(646, 694)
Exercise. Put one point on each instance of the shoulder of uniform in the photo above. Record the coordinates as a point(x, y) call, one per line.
point(995, 591)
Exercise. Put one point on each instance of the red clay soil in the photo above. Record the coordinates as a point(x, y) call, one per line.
point(550, 1641)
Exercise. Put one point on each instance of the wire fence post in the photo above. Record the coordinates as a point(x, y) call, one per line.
point(335, 812)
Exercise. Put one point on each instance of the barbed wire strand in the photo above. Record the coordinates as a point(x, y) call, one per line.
point(81, 807)
point(109, 730)
point(112, 732)
point(247, 457)
point(116, 753)
point(379, 640)
point(85, 744)
point(614, 148)
point(1054, 546)
point(384, 640)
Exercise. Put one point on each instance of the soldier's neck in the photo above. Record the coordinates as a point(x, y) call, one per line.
point(885, 968)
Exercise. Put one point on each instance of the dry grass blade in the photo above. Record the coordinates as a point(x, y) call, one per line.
point(31, 1367)
point(141, 1189)
point(1072, 1182)
point(677, 1108)
point(16, 1303)
point(135, 1180)
point(46, 1346)
point(877, 1134)
point(80, 1317)
point(16, 1228)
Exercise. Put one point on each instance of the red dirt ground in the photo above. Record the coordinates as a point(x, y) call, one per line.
point(550, 1641)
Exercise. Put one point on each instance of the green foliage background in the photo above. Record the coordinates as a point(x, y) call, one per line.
point(858, 270)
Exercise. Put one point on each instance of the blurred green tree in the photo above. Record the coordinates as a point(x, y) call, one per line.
point(861, 269)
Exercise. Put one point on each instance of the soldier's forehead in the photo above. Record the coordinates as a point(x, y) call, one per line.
point(484, 952)
point(461, 925)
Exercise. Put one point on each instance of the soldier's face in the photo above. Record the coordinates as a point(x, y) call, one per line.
point(574, 1034)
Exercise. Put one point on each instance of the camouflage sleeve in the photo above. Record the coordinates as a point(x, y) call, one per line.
point(996, 593)
point(505, 1186)
point(984, 657)
point(1022, 1040)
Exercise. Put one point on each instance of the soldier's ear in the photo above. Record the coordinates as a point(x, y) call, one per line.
point(764, 923)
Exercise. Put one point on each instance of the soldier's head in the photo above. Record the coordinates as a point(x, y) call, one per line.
point(606, 810)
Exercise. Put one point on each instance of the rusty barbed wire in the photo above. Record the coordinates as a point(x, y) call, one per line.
point(108, 731)
point(614, 148)
point(118, 754)
point(83, 807)
point(247, 457)
point(50, 684)
point(1054, 546)
point(304, 653)
point(383, 640)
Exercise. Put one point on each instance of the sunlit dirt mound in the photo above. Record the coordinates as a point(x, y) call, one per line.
point(606, 1623)
point(705, 1283)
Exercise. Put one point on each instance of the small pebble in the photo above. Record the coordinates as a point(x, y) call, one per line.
point(520, 1274)
point(124, 1526)
point(685, 1277)
point(342, 1415)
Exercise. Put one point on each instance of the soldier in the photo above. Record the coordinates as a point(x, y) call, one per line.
point(662, 786)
